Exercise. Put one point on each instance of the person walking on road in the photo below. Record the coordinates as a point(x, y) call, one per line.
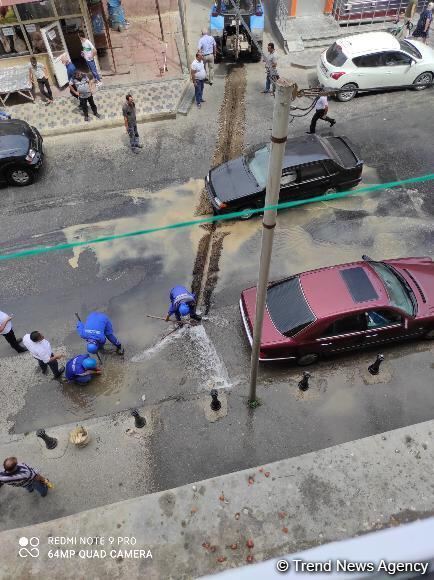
point(321, 110)
point(424, 23)
point(7, 331)
point(182, 304)
point(89, 54)
point(38, 72)
point(81, 369)
point(408, 18)
point(207, 46)
point(22, 475)
point(81, 86)
point(96, 330)
point(41, 350)
point(270, 69)
point(198, 75)
point(129, 113)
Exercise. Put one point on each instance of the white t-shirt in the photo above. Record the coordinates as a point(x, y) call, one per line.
point(88, 49)
point(40, 350)
point(199, 70)
point(321, 103)
point(8, 326)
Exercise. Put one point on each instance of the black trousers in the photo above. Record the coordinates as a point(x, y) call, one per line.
point(83, 103)
point(45, 89)
point(54, 366)
point(12, 340)
point(320, 114)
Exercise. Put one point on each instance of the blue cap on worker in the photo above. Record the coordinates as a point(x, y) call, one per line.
point(92, 347)
point(89, 363)
point(184, 309)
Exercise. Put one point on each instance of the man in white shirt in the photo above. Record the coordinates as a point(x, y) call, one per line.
point(198, 75)
point(271, 74)
point(321, 110)
point(208, 47)
point(89, 54)
point(40, 349)
point(7, 331)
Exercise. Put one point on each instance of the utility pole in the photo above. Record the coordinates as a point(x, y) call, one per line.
point(286, 92)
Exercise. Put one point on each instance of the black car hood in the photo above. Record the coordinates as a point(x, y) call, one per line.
point(232, 180)
point(15, 138)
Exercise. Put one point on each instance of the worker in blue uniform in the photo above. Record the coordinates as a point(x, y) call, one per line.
point(81, 369)
point(97, 328)
point(182, 304)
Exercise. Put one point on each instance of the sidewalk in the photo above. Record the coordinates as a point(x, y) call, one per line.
point(154, 100)
point(202, 528)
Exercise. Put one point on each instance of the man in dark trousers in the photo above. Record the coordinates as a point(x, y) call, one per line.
point(38, 71)
point(41, 350)
point(8, 332)
point(129, 113)
point(81, 86)
point(182, 304)
point(321, 110)
point(22, 475)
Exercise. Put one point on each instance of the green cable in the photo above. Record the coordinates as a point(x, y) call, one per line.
point(218, 218)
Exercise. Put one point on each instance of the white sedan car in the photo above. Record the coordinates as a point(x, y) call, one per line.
point(375, 60)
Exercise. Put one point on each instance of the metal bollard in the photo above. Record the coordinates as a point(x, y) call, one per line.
point(374, 368)
point(215, 403)
point(303, 385)
point(139, 421)
point(50, 442)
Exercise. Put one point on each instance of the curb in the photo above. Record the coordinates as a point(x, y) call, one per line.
point(106, 124)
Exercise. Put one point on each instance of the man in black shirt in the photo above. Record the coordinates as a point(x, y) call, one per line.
point(129, 113)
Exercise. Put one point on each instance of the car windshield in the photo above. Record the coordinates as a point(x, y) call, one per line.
point(399, 292)
point(257, 163)
point(409, 49)
point(288, 307)
point(244, 5)
point(335, 55)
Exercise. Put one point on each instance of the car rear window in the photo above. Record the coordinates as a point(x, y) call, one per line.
point(288, 308)
point(335, 55)
point(342, 153)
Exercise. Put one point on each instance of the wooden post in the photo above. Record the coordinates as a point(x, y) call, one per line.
point(157, 6)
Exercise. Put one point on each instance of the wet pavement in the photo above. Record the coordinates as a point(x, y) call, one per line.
point(92, 187)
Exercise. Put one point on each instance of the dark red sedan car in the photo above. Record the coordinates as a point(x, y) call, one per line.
point(343, 308)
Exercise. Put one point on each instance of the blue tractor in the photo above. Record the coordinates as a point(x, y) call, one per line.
point(238, 29)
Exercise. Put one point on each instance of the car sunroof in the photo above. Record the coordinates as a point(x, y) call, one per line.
point(358, 284)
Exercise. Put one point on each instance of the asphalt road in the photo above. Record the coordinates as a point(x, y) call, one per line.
point(92, 186)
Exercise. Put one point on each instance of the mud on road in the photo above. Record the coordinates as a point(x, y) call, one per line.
point(230, 143)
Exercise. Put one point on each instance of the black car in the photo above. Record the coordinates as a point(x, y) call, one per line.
point(21, 153)
point(312, 166)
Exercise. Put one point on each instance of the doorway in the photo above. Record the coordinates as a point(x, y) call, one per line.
point(55, 44)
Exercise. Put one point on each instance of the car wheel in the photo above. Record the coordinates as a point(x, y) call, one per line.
point(307, 359)
point(19, 176)
point(248, 212)
point(350, 92)
point(430, 334)
point(422, 79)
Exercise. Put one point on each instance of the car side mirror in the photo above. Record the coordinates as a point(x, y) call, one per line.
point(412, 62)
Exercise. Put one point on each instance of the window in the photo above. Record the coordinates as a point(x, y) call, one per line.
point(288, 307)
point(288, 178)
point(410, 49)
point(335, 55)
point(368, 60)
point(258, 165)
point(355, 323)
point(12, 42)
point(378, 318)
point(399, 293)
point(67, 7)
point(7, 15)
point(313, 171)
point(35, 37)
point(33, 10)
point(396, 59)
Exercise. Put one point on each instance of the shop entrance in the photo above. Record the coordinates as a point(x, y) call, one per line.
point(55, 45)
